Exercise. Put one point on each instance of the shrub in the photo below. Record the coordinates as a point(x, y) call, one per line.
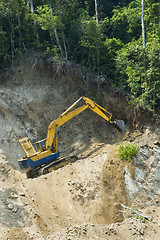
point(127, 152)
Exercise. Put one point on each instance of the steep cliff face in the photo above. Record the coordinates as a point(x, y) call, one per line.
point(37, 94)
point(90, 190)
point(41, 89)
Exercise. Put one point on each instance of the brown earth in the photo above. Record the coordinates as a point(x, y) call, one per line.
point(82, 200)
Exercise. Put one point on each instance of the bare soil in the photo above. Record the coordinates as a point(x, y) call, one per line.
point(82, 200)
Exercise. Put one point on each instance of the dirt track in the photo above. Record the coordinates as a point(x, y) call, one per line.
point(80, 199)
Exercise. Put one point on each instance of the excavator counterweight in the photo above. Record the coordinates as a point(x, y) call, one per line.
point(46, 153)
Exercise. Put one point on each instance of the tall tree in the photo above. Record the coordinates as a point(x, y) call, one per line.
point(96, 12)
point(55, 31)
point(143, 28)
point(32, 7)
point(98, 43)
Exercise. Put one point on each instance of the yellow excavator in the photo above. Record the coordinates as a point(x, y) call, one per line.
point(44, 156)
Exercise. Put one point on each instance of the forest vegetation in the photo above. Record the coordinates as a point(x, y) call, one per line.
point(102, 36)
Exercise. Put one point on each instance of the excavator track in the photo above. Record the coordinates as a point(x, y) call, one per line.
point(46, 168)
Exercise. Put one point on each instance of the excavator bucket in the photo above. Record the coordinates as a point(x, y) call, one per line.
point(120, 124)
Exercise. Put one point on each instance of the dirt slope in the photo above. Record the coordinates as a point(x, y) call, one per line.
point(79, 200)
point(73, 203)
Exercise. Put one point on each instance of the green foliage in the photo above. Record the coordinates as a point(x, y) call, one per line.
point(139, 71)
point(90, 36)
point(15, 29)
point(47, 20)
point(90, 41)
point(108, 52)
point(126, 22)
point(127, 152)
point(113, 48)
point(98, 98)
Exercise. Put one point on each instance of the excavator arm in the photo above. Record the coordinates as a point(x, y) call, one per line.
point(46, 155)
point(51, 140)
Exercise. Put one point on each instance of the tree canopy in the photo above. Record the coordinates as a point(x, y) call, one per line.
point(68, 29)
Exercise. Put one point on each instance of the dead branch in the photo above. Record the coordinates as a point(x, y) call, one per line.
point(136, 212)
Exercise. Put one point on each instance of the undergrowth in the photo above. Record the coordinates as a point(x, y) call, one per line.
point(127, 152)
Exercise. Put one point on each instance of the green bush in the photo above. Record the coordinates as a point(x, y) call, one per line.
point(126, 152)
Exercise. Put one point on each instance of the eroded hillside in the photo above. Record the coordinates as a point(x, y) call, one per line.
point(69, 203)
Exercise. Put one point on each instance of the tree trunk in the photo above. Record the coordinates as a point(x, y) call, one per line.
point(143, 29)
point(58, 42)
point(143, 39)
point(96, 11)
point(56, 34)
point(64, 44)
point(98, 44)
point(63, 35)
point(32, 7)
point(20, 35)
point(13, 50)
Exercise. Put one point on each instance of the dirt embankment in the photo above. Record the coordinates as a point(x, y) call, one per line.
point(69, 202)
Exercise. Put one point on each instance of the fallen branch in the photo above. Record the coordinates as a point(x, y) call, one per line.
point(136, 212)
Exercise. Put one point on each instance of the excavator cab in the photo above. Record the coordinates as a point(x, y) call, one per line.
point(27, 147)
point(40, 145)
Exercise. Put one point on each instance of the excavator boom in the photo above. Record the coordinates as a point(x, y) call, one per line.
point(68, 114)
point(47, 149)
